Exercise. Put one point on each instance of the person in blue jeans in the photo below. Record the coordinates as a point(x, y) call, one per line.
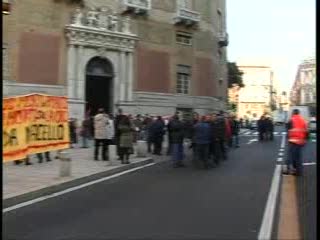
point(176, 129)
point(202, 138)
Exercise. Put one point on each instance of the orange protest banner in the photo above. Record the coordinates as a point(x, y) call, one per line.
point(32, 124)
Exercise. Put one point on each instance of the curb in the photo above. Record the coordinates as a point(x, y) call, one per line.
point(8, 202)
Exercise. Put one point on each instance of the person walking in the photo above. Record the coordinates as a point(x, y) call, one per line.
point(297, 137)
point(126, 130)
point(269, 128)
point(228, 130)
point(177, 137)
point(214, 148)
point(100, 134)
point(202, 137)
point(157, 131)
point(261, 128)
point(148, 121)
point(117, 121)
point(221, 134)
point(110, 134)
point(85, 131)
point(169, 133)
point(73, 132)
point(235, 129)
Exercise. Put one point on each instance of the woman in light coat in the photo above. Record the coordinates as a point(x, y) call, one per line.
point(100, 134)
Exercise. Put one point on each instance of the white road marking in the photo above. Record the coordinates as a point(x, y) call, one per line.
point(20, 205)
point(283, 141)
point(269, 211)
point(279, 159)
point(252, 140)
point(309, 163)
point(284, 133)
point(280, 154)
point(281, 150)
point(255, 133)
point(275, 132)
point(247, 133)
point(314, 140)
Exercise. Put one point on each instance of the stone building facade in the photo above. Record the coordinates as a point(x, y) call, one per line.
point(254, 99)
point(144, 56)
point(303, 91)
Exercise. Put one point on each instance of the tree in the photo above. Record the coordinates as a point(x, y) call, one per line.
point(234, 75)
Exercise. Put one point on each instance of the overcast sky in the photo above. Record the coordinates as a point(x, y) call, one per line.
point(282, 31)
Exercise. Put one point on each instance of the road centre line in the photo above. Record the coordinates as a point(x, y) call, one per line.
point(279, 159)
point(40, 199)
point(280, 154)
point(269, 212)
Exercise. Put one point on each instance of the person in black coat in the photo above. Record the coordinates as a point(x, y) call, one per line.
point(177, 136)
point(120, 116)
point(235, 129)
point(220, 130)
point(269, 128)
point(261, 127)
point(157, 131)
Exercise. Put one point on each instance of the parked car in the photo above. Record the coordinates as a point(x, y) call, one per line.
point(312, 124)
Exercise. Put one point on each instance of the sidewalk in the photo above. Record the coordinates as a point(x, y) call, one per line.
point(22, 183)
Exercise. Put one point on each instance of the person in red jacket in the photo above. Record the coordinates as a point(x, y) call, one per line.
point(297, 137)
point(228, 131)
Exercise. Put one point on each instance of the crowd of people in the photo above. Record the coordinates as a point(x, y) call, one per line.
point(209, 135)
point(265, 128)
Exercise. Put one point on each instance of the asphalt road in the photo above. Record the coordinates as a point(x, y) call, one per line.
point(159, 202)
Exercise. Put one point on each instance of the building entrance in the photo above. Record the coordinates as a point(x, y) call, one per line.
point(99, 85)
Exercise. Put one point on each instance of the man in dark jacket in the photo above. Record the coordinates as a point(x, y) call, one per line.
point(220, 129)
point(261, 128)
point(177, 135)
point(202, 137)
point(269, 128)
point(117, 121)
point(147, 123)
point(235, 128)
point(157, 131)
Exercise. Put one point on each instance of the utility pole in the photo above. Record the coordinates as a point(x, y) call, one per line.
point(271, 91)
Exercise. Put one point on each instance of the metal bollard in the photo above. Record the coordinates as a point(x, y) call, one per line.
point(141, 148)
point(112, 153)
point(65, 164)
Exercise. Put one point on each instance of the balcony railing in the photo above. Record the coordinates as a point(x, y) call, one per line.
point(137, 6)
point(187, 16)
point(223, 39)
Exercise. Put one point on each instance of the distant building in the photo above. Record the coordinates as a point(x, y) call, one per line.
point(303, 91)
point(151, 56)
point(256, 97)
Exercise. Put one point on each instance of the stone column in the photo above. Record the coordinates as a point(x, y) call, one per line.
point(80, 74)
point(71, 74)
point(123, 75)
point(130, 76)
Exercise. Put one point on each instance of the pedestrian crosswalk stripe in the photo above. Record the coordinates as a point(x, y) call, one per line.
point(247, 133)
point(309, 163)
point(279, 159)
point(275, 132)
point(314, 140)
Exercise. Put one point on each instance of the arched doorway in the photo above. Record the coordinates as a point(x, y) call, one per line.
point(99, 85)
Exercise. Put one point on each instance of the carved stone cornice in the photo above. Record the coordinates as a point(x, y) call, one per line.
point(99, 29)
